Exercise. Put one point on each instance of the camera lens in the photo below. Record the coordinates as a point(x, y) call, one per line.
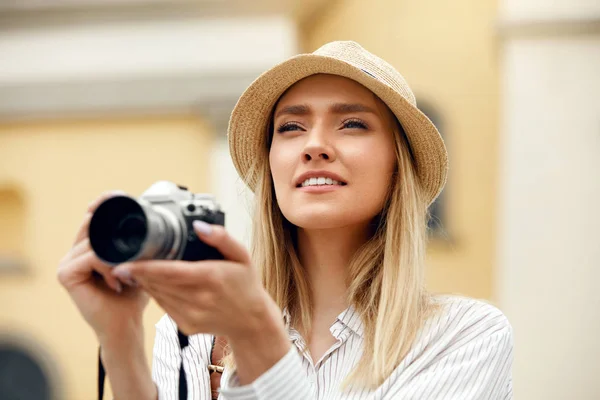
point(130, 234)
point(123, 230)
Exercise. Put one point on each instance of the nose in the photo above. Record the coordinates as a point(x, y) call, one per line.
point(318, 147)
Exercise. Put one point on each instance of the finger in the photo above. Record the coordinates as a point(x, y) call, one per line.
point(217, 237)
point(76, 251)
point(168, 272)
point(165, 296)
point(82, 232)
point(182, 295)
point(81, 268)
point(166, 302)
point(198, 274)
point(189, 321)
point(75, 270)
point(80, 248)
point(106, 271)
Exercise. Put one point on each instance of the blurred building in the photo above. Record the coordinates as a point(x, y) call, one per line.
point(98, 95)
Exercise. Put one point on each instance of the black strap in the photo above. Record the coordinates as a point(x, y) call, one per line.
point(183, 342)
point(101, 375)
point(212, 350)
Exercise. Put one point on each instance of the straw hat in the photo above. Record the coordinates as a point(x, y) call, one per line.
point(248, 126)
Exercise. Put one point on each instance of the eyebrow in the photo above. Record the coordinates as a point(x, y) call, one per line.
point(337, 108)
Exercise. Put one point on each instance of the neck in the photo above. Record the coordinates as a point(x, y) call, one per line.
point(325, 255)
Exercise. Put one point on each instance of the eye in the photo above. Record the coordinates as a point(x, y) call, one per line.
point(288, 127)
point(354, 124)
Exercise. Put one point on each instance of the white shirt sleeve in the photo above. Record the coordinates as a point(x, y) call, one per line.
point(475, 367)
point(283, 381)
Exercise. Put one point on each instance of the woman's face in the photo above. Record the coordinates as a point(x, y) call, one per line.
point(332, 155)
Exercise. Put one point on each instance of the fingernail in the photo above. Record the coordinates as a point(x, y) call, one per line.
point(119, 287)
point(125, 276)
point(130, 282)
point(203, 227)
point(122, 274)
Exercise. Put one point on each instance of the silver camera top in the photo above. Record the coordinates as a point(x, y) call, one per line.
point(191, 203)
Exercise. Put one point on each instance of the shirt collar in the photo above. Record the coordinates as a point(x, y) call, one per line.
point(349, 318)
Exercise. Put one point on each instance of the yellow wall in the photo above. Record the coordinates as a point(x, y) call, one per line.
point(446, 51)
point(50, 170)
point(59, 167)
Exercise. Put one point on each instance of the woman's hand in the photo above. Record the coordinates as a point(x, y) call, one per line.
point(114, 313)
point(102, 302)
point(221, 297)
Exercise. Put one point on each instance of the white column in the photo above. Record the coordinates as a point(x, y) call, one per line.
point(235, 198)
point(549, 237)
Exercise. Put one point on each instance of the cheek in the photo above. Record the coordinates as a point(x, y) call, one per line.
point(282, 167)
point(372, 170)
point(373, 159)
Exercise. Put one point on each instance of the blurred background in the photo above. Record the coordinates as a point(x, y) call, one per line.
point(117, 94)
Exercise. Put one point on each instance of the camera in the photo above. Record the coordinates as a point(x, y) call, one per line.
point(157, 225)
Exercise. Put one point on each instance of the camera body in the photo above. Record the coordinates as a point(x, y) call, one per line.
point(157, 225)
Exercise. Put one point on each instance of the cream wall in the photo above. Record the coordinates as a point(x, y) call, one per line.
point(447, 53)
point(59, 167)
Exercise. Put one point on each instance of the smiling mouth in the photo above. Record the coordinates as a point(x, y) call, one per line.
point(320, 181)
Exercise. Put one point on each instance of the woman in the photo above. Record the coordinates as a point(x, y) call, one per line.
point(332, 304)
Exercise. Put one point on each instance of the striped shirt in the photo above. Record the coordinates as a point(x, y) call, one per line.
point(463, 352)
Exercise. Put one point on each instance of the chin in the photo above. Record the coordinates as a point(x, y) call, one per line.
point(319, 225)
point(321, 219)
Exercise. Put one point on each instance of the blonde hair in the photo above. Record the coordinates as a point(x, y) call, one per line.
point(386, 275)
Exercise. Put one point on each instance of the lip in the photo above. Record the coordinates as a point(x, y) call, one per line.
point(320, 189)
point(316, 174)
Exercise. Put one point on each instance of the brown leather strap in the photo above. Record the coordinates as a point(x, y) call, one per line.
point(215, 367)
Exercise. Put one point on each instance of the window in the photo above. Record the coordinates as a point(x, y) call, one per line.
point(437, 210)
point(21, 376)
point(12, 230)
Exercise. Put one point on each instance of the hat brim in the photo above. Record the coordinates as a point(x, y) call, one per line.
point(249, 120)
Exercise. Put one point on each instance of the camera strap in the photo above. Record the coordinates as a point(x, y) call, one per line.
point(183, 342)
point(215, 355)
point(101, 375)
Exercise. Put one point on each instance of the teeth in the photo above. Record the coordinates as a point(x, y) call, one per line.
point(320, 181)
